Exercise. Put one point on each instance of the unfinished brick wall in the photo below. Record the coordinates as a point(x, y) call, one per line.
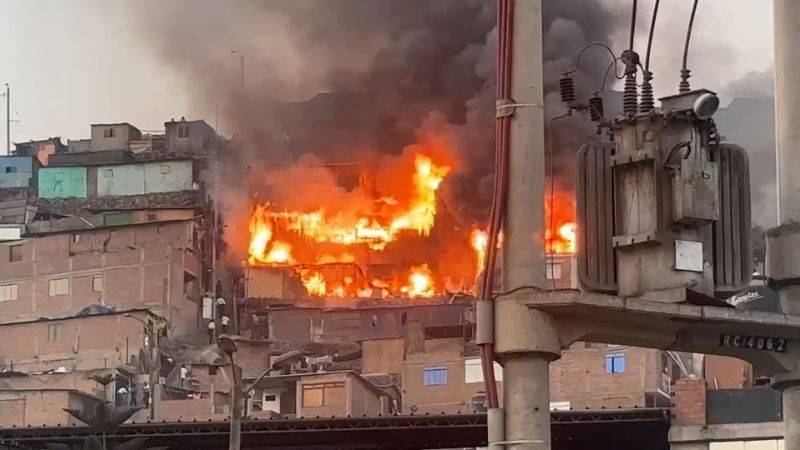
point(580, 377)
point(689, 400)
point(126, 267)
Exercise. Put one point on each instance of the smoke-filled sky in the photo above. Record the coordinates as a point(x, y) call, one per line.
point(73, 63)
point(390, 71)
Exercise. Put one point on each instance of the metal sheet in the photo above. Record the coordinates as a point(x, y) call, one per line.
point(733, 249)
point(596, 259)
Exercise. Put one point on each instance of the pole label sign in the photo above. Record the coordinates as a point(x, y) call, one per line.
point(770, 344)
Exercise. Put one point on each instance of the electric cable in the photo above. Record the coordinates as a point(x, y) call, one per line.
point(684, 84)
point(633, 26)
point(587, 47)
point(499, 196)
point(650, 37)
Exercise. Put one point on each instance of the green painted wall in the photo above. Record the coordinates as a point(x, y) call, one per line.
point(62, 182)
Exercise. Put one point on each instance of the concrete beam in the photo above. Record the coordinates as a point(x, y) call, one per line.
point(671, 326)
point(698, 434)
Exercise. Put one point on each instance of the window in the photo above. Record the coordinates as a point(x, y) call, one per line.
point(553, 271)
point(374, 320)
point(58, 176)
point(59, 286)
point(615, 363)
point(11, 169)
point(434, 376)
point(109, 133)
point(323, 394)
point(97, 283)
point(54, 332)
point(473, 371)
point(403, 318)
point(76, 238)
point(15, 253)
point(108, 173)
point(8, 292)
point(164, 169)
point(183, 131)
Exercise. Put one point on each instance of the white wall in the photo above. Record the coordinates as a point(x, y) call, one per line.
point(770, 444)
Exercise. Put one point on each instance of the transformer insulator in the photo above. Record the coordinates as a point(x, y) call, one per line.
point(684, 85)
point(629, 95)
point(646, 105)
point(596, 108)
point(567, 87)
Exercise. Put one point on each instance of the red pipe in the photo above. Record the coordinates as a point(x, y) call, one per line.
point(505, 14)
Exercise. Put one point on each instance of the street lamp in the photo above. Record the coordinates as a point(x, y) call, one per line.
point(155, 353)
point(227, 344)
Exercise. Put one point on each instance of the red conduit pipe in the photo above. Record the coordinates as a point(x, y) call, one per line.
point(505, 13)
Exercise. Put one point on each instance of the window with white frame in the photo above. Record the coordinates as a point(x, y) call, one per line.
point(473, 371)
point(97, 283)
point(615, 363)
point(59, 286)
point(54, 332)
point(434, 376)
point(8, 292)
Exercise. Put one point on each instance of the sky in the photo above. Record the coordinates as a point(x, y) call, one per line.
point(73, 63)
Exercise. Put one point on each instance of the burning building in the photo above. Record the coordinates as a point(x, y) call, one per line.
point(320, 230)
point(382, 233)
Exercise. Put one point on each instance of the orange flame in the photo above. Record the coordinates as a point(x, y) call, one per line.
point(480, 243)
point(420, 282)
point(374, 224)
point(562, 228)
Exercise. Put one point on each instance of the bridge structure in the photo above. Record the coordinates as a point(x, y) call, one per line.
point(597, 429)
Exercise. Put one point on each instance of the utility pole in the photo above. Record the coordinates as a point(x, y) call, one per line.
point(525, 339)
point(783, 242)
point(241, 65)
point(8, 120)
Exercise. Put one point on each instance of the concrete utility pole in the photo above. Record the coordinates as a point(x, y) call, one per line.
point(525, 340)
point(783, 243)
point(241, 65)
point(8, 120)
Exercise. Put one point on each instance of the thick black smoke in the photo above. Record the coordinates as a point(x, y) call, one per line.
point(342, 78)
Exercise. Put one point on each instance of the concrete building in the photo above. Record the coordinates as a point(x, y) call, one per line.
point(189, 136)
point(63, 182)
point(42, 407)
point(18, 171)
point(60, 272)
point(41, 150)
point(725, 419)
point(117, 179)
point(338, 320)
point(143, 178)
point(601, 376)
point(74, 343)
point(444, 374)
point(342, 393)
point(113, 136)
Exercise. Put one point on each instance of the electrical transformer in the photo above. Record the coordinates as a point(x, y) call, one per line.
point(664, 208)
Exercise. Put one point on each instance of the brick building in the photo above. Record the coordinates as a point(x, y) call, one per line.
point(104, 256)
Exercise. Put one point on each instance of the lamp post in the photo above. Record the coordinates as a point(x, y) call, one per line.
point(155, 353)
point(227, 345)
point(241, 64)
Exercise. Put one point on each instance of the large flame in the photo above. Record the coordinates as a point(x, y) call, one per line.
point(562, 229)
point(275, 234)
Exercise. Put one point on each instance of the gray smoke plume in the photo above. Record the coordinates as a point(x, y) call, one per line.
point(343, 79)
